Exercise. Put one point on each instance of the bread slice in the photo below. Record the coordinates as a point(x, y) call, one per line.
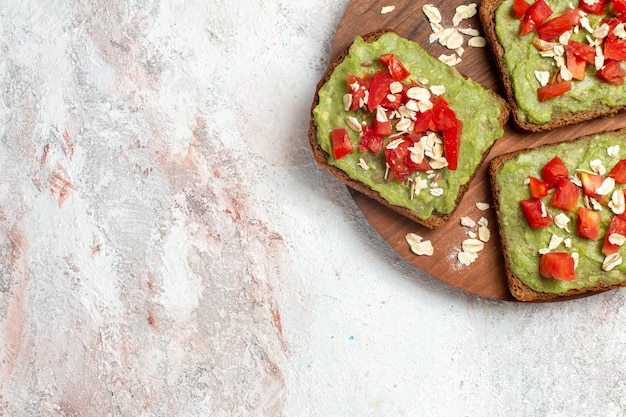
point(584, 106)
point(520, 243)
point(497, 111)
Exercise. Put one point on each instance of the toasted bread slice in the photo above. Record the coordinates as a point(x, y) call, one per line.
point(487, 121)
point(521, 243)
point(587, 100)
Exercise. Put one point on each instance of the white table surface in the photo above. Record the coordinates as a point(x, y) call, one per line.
point(168, 246)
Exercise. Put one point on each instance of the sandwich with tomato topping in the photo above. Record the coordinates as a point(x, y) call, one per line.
point(562, 216)
point(560, 61)
point(395, 123)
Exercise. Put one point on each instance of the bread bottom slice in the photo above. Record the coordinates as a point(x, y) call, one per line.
point(521, 244)
point(516, 59)
point(488, 122)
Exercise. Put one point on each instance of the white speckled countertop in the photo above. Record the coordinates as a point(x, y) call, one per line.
point(168, 246)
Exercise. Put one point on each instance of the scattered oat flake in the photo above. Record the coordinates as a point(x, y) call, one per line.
point(450, 60)
point(387, 9)
point(418, 245)
point(432, 13)
point(484, 234)
point(611, 261)
point(464, 12)
point(467, 222)
point(466, 258)
point(612, 150)
point(483, 206)
point(477, 42)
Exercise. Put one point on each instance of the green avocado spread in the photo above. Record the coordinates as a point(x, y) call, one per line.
point(478, 109)
point(523, 242)
point(522, 59)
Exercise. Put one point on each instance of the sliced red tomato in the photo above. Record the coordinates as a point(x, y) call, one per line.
point(614, 48)
point(581, 50)
point(396, 159)
point(370, 140)
point(618, 172)
point(410, 162)
point(392, 101)
point(565, 196)
point(576, 66)
point(423, 122)
point(595, 8)
point(612, 72)
point(357, 87)
point(379, 88)
point(554, 171)
point(537, 187)
point(553, 90)
point(590, 183)
point(557, 265)
point(619, 6)
point(341, 143)
point(553, 28)
point(617, 225)
point(535, 212)
point(588, 223)
point(446, 121)
point(520, 7)
point(535, 15)
point(382, 124)
point(396, 69)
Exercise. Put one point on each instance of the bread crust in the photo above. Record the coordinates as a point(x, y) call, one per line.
point(321, 157)
point(518, 288)
point(487, 11)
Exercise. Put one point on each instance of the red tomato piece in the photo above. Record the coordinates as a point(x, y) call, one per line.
point(536, 213)
point(612, 72)
point(412, 164)
point(520, 7)
point(565, 196)
point(557, 265)
point(590, 183)
point(445, 120)
point(382, 124)
point(423, 122)
point(595, 8)
point(396, 159)
point(618, 172)
point(619, 6)
point(379, 88)
point(536, 14)
point(357, 87)
point(392, 101)
point(615, 48)
point(577, 66)
point(397, 70)
point(341, 143)
point(537, 187)
point(553, 90)
point(588, 223)
point(553, 28)
point(370, 140)
point(582, 50)
point(617, 225)
point(554, 171)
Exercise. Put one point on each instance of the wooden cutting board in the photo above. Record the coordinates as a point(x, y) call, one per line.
point(485, 277)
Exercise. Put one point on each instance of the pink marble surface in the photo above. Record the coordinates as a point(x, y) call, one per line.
point(168, 246)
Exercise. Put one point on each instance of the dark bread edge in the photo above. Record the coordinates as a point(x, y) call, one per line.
point(487, 12)
point(321, 157)
point(517, 287)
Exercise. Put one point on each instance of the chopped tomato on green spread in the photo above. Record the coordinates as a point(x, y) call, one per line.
point(579, 195)
point(402, 117)
point(557, 265)
point(600, 52)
